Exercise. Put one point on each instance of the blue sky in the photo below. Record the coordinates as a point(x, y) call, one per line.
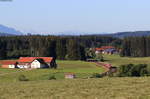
point(96, 16)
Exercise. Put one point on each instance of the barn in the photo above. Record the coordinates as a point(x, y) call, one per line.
point(36, 62)
point(31, 62)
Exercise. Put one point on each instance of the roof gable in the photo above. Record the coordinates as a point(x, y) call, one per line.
point(39, 60)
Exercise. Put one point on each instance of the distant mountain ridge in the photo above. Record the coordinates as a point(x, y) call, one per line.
point(117, 35)
point(129, 34)
point(7, 31)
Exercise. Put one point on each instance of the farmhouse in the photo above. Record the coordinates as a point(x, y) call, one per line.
point(106, 50)
point(31, 62)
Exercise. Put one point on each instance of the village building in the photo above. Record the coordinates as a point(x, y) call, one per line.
point(31, 62)
point(106, 50)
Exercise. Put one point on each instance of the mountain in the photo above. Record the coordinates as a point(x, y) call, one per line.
point(6, 31)
point(117, 35)
point(128, 34)
point(72, 33)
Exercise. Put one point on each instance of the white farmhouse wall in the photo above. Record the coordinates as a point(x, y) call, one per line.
point(35, 64)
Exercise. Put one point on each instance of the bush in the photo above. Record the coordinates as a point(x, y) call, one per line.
point(52, 77)
point(125, 70)
point(131, 70)
point(22, 78)
point(96, 75)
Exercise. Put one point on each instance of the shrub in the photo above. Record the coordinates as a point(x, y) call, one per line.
point(125, 70)
point(22, 78)
point(52, 77)
point(139, 70)
point(96, 75)
point(131, 70)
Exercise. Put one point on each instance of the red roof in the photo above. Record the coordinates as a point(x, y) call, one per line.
point(99, 49)
point(104, 48)
point(30, 59)
point(9, 62)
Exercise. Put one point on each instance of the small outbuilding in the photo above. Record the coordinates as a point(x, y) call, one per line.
point(70, 76)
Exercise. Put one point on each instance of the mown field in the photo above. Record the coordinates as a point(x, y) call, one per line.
point(39, 87)
point(116, 60)
point(105, 88)
point(80, 68)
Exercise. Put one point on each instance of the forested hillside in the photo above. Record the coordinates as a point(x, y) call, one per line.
point(70, 47)
point(136, 47)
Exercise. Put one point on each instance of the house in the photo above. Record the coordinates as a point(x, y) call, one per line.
point(106, 50)
point(36, 62)
point(9, 64)
point(31, 62)
point(110, 51)
point(99, 50)
point(69, 76)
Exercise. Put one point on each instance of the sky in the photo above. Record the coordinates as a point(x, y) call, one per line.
point(88, 16)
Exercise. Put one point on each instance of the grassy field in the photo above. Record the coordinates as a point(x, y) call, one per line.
point(105, 88)
point(80, 68)
point(116, 60)
point(39, 87)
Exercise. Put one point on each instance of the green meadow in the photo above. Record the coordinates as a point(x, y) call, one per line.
point(80, 68)
point(116, 60)
point(105, 88)
point(39, 87)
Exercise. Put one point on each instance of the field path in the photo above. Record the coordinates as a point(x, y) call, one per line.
point(105, 65)
point(108, 68)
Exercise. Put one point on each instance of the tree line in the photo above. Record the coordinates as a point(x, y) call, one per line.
point(136, 47)
point(60, 47)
